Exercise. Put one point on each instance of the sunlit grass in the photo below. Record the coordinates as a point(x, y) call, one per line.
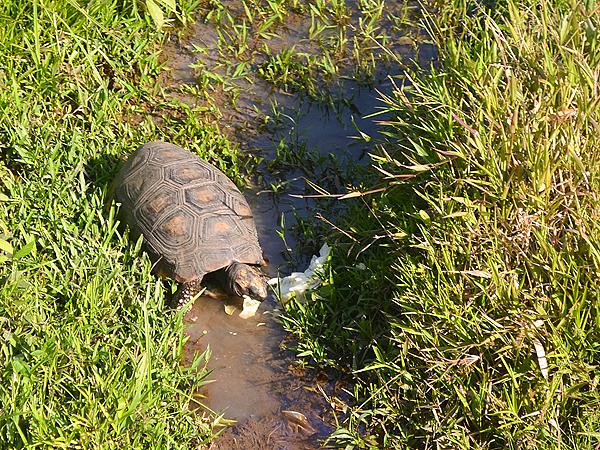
point(90, 357)
point(482, 253)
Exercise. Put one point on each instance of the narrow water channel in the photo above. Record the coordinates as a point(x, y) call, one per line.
point(253, 380)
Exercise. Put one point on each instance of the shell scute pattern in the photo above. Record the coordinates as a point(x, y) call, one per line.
point(239, 205)
point(189, 173)
point(176, 232)
point(203, 198)
point(244, 250)
point(165, 155)
point(220, 230)
point(193, 218)
point(155, 207)
point(143, 181)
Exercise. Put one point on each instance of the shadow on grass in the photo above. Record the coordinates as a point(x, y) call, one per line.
point(101, 171)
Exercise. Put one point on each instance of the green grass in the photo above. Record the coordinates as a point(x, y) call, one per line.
point(483, 245)
point(89, 355)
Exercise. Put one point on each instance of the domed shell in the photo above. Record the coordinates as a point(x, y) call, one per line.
point(193, 218)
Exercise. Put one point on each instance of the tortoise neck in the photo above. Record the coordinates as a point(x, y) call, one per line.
point(231, 272)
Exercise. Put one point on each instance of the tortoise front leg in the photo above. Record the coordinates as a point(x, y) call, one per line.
point(186, 292)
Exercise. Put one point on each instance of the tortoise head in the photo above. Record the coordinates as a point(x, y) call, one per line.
point(243, 279)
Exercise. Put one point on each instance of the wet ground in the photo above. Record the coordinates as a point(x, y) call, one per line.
point(255, 382)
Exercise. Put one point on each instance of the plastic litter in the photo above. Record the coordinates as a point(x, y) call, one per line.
point(299, 282)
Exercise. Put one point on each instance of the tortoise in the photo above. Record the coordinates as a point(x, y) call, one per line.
point(194, 220)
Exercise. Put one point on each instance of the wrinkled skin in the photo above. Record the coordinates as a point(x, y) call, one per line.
point(242, 279)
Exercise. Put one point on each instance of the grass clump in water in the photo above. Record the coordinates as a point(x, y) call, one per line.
point(481, 254)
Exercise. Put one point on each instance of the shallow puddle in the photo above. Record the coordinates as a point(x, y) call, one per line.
point(254, 381)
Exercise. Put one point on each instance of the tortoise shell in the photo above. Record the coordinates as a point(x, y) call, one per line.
point(193, 218)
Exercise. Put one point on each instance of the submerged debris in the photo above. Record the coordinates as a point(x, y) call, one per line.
point(248, 310)
point(299, 420)
point(299, 282)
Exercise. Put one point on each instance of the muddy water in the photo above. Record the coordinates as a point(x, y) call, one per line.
point(253, 381)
